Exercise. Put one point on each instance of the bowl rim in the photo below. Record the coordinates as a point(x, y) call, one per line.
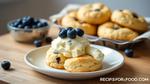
point(16, 28)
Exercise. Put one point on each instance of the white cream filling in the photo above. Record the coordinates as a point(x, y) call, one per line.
point(74, 48)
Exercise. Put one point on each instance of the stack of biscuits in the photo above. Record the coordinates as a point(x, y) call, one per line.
point(98, 19)
point(73, 54)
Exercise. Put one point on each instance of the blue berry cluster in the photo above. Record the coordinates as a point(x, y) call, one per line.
point(28, 22)
point(71, 32)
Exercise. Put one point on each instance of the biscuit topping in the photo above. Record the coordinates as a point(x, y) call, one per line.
point(71, 33)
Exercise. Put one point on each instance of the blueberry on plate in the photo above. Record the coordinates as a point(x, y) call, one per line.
point(38, 43)
point(80, 32)
point(5, 65)
point(71, 33)
point(129, 52)
point(63, 33)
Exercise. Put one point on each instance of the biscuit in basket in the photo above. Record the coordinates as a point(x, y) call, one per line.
point(82, 64)
point(129, 19)
point(113, 31)
point(55, 60)
point(70, 20)
point(96, 13)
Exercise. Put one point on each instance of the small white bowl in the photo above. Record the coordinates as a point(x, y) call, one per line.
point(36, 60)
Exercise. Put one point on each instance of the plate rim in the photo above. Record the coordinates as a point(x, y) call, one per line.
point(107, 70)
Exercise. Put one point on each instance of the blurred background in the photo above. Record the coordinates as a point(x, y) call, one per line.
point(12, 9)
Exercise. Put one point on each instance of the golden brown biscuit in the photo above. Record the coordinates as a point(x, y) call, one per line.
point(113, 31)
point(129, 19)
point(96, 13)
point(70, 20)
point(82, 64)
point(55, 60)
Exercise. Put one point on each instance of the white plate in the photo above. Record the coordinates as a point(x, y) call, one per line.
point(112, 61)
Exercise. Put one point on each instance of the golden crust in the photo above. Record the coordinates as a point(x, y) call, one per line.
point(129, 19)
point(96, 13)
point(82, 64)
point(70, 20)
point(113, 31)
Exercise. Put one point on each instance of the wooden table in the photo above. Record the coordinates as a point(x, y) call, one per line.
point(139, 66)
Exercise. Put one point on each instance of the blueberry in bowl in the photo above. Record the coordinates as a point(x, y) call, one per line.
point(28, 29)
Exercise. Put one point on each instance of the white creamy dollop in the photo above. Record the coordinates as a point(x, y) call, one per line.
point(74, 47)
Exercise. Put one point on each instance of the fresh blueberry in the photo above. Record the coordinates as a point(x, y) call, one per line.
point(45, 24)
point(48, 39)
point(20, 26)
point(69, 28)
point(5, 65)
point(26, 17)
point(16, 23)
point(31, 19)
point(27, 20)
point(19, 21)
point(36, 21)
point(80, 32)
point(71, 33)
point(129, 52)
point(38, 43)
point(39, 25)
point(42, 24)
point(63, 33)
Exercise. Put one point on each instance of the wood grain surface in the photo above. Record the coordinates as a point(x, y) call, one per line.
point(20, 73)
